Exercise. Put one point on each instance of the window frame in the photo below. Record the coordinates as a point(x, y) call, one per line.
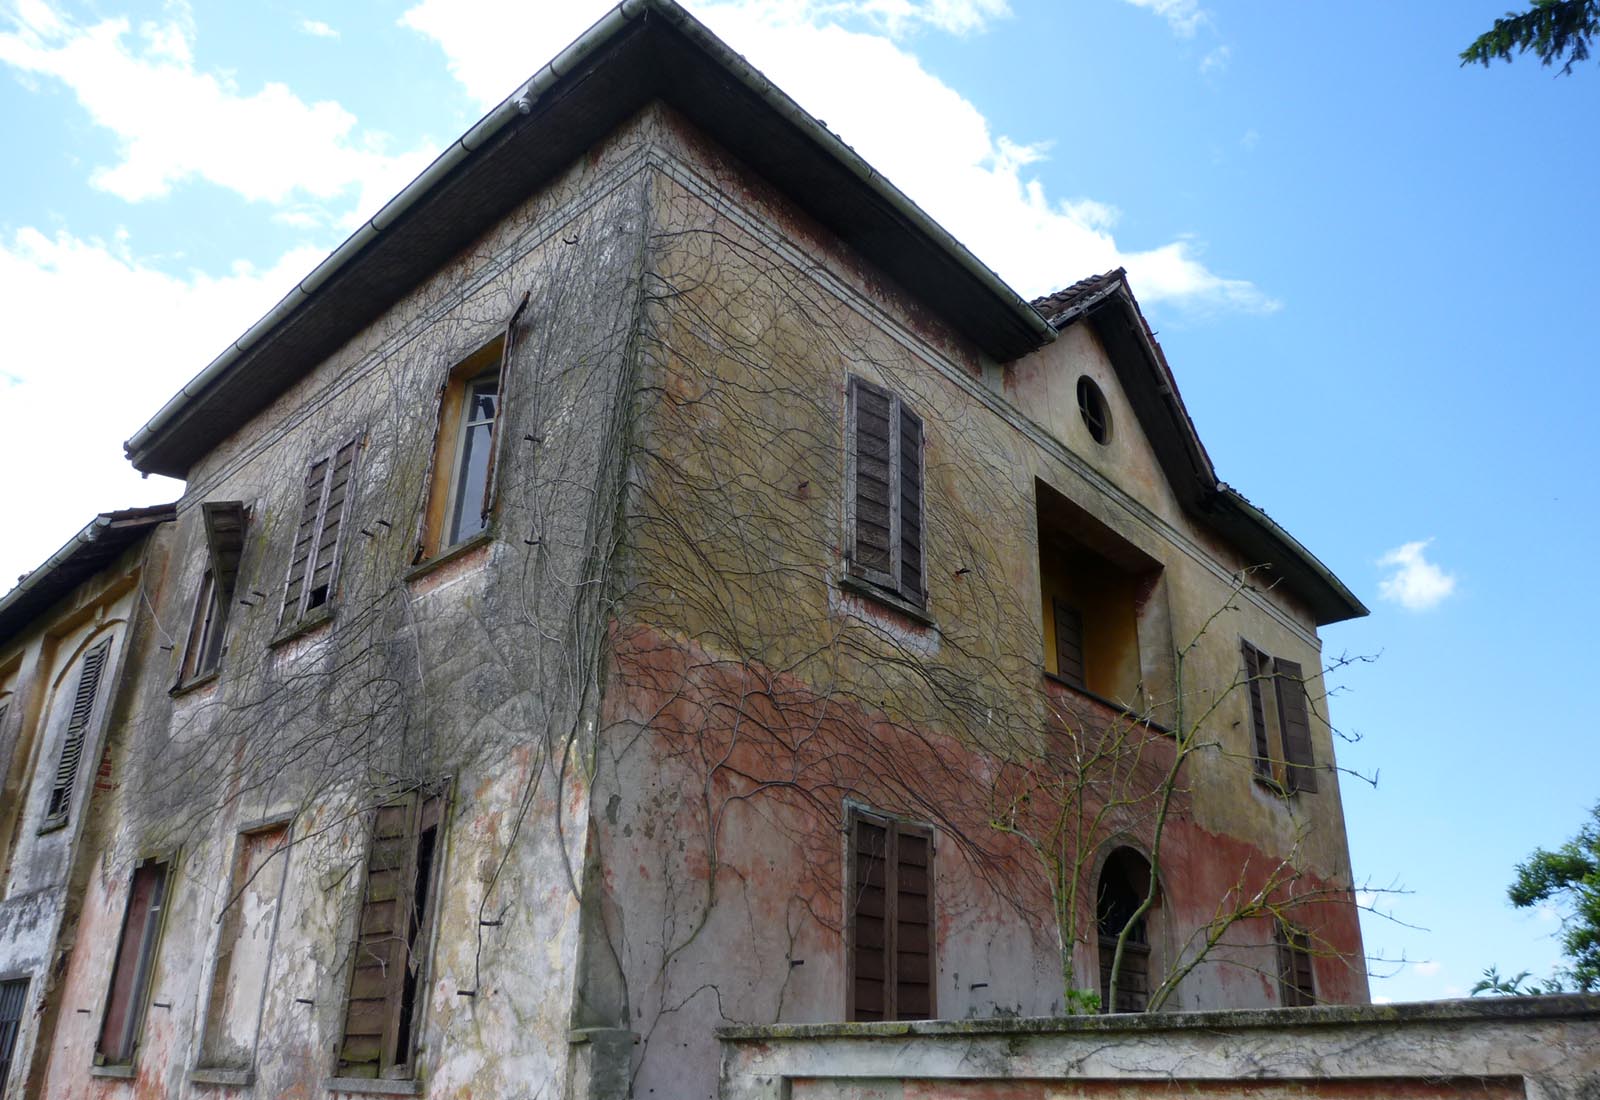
point(893, 581)
point(893, 827)
point(1293, 946)
point(205, 1058)
point(145, 964)
point(287, 619)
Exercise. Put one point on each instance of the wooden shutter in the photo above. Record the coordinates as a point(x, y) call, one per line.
point(1254, 661)
point(1296, 726)
point(13, 996)
point(324, 507)
point(71, 758)
point(391, 933)
point(913, 923)
point(910, 504)
point(1296, 979)
point(873, 409)
point(891, 920)
point(1069, 642)
point(132, 966)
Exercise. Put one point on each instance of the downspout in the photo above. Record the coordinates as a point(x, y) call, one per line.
point(518, 103)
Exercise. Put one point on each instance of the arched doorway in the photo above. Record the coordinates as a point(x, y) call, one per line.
point(1124, 880)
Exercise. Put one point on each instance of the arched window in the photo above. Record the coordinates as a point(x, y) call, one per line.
point(1124, 880)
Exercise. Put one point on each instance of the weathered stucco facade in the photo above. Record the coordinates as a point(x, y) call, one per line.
point(607, 758)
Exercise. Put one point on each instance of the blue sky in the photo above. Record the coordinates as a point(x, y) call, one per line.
point(1373, 272)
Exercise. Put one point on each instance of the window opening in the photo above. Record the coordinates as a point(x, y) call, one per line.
point(324, 504)
point(1124, 881)
point(133, 965)
point(1296, 975)
point(1278, 706)
point(891, 919)
point(1094, 410)
point(469, 501)
point(244, 949)
point(13, 996)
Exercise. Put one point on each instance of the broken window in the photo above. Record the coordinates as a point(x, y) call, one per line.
point(13, 996)
point(1276, 688)
point(388, 979)
point(1097, 591)
point(324, 508)
point(1124, 882)
point(244, 949)
point(133, 965)
point(461, 478)
point(890, 877)
point(70, 759)
point(224, 524)
point(885, 491)
point(1296, 978)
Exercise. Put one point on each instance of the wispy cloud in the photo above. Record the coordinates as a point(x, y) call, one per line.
point(175, 123)
point(1414, 582)
point(1427, 969)
point(1216, 61)
point(841, 60)
point(316, 28)
point(1185, 17)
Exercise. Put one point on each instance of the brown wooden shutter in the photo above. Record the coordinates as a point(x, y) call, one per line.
point(910, 504)
point(71, 758)
point(1296, 724)
point(913, 923)
point(1296, 980)
point(1253, 662)
point(870, 920)
point(132, 966)
point(224, 523)
point(316, 484)
point(334, 514)
point(396, 910)
point(891, 920)
point(1069, 643)
point(874, 485)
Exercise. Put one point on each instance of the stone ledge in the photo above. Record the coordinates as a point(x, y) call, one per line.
point(1487, 1009)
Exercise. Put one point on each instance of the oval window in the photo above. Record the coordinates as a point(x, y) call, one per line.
point(1092, 406)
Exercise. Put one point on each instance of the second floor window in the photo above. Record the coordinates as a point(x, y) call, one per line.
point(1276, 688)
point(884, 474)
point(325, 503)
point(461, 484)
point(69, 760)
point(224, 524)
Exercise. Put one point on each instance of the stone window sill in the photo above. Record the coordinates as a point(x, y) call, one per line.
point(454, 553)
point(237, 1078)
point(121, 1073)
point(194, 684)
point(373, 1086)
point(895, 602)
point(320, 617)
point(1137, 718)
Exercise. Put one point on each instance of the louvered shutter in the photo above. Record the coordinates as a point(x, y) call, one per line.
point(316, 485)
point(870, 922)
point(1296, 981)
point(71, 757)
point(1296, 723)
point(910, 516)
point(132, 966)
point(13, 996)
point(913, 924)
point(1253, 661)
point(874, 481)
point(334, 514)
point(1069, 643)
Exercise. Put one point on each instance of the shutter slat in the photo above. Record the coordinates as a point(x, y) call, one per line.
point(1258, 711)
point(83, 701)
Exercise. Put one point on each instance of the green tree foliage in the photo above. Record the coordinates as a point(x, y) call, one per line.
point(1570, 875)
point(1557, 30)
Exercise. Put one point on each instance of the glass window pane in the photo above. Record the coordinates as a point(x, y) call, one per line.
point(472, 463)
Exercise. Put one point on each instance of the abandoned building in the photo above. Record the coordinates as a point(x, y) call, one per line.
point(653, 578)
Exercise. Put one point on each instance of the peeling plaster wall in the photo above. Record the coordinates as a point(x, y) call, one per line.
point(480, 670)
point(753, 691)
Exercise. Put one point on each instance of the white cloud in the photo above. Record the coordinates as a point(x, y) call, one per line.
point(175, 123)
point(1185, 17)
point(316, 28)
point(1427, 969)
point(96, 339)
point(1216, 61)
point(1415, 583)
point(923, 135)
